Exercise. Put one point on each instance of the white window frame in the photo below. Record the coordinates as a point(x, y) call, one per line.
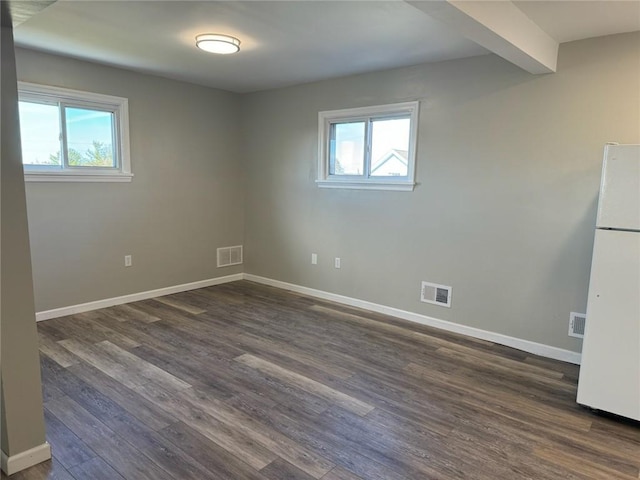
point(119, 106)
point(366, 182)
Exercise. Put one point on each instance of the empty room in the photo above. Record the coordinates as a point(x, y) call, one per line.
point(336, 240)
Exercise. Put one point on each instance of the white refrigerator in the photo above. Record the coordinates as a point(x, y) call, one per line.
point(610, 368)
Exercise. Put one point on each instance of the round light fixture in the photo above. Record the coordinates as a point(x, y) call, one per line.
point(216, 43)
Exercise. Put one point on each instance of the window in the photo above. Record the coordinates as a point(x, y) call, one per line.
point(68, 135)
point(368, 148)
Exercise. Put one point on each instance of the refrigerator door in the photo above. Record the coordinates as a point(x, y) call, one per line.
point(619, 203)
point(610, 368)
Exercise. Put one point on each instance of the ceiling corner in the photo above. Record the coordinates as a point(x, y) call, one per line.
point(500, 27)
point(22, 11)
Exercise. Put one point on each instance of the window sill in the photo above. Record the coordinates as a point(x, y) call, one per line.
point(392, 186)
point(76, 177)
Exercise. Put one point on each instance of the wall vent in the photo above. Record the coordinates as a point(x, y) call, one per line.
point(436, 294)
point(577, 322)
point(228, 256)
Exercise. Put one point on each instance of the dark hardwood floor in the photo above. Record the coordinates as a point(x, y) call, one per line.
point(242, 381)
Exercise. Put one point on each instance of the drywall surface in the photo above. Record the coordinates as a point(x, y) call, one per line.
point(508, 171)
point(184, 201)
point(22, 419)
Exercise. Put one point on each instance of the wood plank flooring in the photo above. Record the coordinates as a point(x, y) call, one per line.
point(247, 382)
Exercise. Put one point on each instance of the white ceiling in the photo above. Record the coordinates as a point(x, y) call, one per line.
point(568, 20)
point(284, 42)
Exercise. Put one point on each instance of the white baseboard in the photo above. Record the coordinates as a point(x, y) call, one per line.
point(518, 343)
point(23, 460)
point(134, 297)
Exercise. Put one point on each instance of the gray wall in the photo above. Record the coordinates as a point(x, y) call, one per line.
point(508, 170)
point(22, 421)
point(185, 200)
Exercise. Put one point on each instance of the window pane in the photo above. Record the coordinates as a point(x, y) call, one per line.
point(390, 147)
point(40, 132)
point(89, 137)
point(346, 149)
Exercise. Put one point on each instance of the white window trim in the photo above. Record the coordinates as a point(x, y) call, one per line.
point(326, 118)
point(119, 105)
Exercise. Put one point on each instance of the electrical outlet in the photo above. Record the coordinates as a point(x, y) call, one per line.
point(314, 259)
point(128, 261)
point(337, 262)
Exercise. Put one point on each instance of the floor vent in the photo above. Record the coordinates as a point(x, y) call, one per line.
point(228, 256)
point(577, 322)
point(436, 294)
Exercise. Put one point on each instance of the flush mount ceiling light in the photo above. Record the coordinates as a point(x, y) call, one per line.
point(216, 43)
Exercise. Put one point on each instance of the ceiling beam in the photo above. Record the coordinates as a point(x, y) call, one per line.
point(500, 27)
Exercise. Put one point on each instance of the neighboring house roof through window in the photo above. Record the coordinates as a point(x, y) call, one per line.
point(388, 162)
